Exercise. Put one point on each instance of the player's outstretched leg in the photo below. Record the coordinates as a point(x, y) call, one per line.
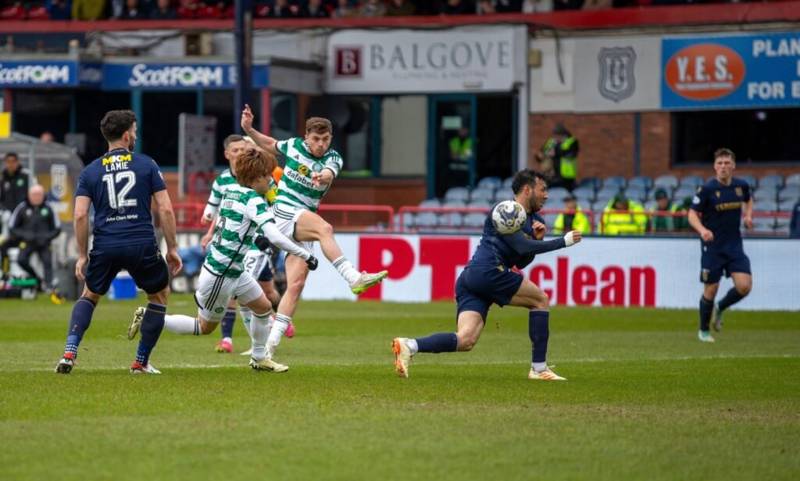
point(151, 325)
point(261, 358)
point(79, 322)
point(225, 344)
point(742, 284)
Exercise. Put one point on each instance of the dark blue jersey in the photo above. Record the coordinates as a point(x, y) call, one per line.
point(121, 185)
point(721, 208)
point(494, 249)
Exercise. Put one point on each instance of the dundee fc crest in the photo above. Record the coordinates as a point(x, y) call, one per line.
point(616, 73)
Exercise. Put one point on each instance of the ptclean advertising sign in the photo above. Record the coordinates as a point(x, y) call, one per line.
point(732, 71)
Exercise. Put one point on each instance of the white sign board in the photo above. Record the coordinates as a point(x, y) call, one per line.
point(197, 138)
point(400, 61)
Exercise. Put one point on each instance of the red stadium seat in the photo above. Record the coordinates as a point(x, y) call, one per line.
point(38, 13)
point(185, 13)
point(12, 13)
point(262, 11)
point(229, 12)
point(209, 12)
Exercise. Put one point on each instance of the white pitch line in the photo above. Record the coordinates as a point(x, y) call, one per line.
point(562, 362)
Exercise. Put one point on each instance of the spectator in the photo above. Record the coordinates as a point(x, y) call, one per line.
point(572, 219)
point(46, 137)
point(163, 11)
point(456, 7)
point(400, 8)
point(537, 6)
point(314, 9)
point(88, 9)
point(33, 226)
point(59, 9)
point(372, 8)
point(134, 10)
point(794, 224)
point(344, 10)
point(460, 150)
point(13, 184)
point(623, 217)
point(283, 9)
point(559, 157)
point(662, 223)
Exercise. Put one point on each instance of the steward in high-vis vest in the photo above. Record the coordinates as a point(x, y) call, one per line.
point(623, 217)
point(576, 220)
point(565, 158)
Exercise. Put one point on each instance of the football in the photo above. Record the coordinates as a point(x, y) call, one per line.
point(508, 216)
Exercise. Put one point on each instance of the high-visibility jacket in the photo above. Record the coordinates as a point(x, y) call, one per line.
point(630, 222)
point(461, 148)
point(579, 222)
point(568, 158)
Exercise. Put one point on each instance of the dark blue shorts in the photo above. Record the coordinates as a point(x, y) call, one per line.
point(716, 260)
point(478, 287)
point(143, 262)
point(266, 272)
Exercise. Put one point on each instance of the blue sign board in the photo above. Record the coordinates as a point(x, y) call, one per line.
point(731, 71)
point(177, 76)
point(56, 73)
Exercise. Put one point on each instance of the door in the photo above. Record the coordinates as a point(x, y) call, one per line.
point(451, 142)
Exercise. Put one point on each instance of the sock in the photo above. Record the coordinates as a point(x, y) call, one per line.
point(539, 333)
point(247, 316)
point(279, 326)
point(152, 325)
point(412, 346)
point(731, 298)
point(182, 324)
point(259, 332)
point(346, 270)
point(706, 306)
point(228, 320)
point(78, 324)
point(441, 342)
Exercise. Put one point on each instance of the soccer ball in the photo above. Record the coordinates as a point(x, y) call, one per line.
point(508, 216)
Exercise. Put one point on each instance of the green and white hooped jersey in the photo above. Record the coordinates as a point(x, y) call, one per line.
point(221, 183)
point(295, 190)
point(242, 215)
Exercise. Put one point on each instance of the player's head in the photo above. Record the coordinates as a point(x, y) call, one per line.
point(233, 144)
point(254, 168)
point(724, 164)
point(36, 195)
point(119, 126)
point(530, 189)
point(11, 161)
point(319, 133)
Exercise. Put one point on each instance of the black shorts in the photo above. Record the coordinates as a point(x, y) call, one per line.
point(478, 287)
point(143, 262)
point(716, 260)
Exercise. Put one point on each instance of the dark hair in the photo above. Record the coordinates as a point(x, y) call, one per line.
point(526, 177)
point(115, 123)
point(11, 154)
point(231, 139)
point(319, 125)
point(723, 152)
point(252, 164)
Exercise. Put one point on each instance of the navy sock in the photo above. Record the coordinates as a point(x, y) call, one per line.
point(78, 324)
point(706, 306)
point(441, 342)
point(152, 325)
point(539, 333)
point(731, 298)
point(228, 320)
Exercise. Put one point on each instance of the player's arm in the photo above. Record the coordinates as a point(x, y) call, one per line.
point(80, 223)
point(276, 237)
point(212, 205)
point(264, 141)
point(748, 213)
point(329, 172)
point(167, 220)
point(694, 215)
point(524, 245)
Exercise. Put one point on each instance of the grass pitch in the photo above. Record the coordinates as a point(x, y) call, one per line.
point(645, 400)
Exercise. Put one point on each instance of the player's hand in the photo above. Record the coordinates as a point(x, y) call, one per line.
point(748, 222)
point(539, 229)
point(707, 235)
point(312, 263)
point(572, 237)
point(174, 261)
point(316, 178)
point(206, 219)
point(262, 243)
point(80, 265)
point(247, 119)
point(206, 239)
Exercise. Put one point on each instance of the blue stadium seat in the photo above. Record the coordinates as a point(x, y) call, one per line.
point(584, 194)
point(507, 183)
point(608, 191)
point(480, 204)
point(454, 203)
point(549, 220)
point(616, 182)
point(693, 181)
point(641, 181)
point(764, 225)
point(482, 194)
point(426, 219)
point(774, 180)
point(430, 203)
point(474, 219)
point(591, 182)
point(765, 205)
point(457, 194)
point(451, 219)
point(636, 193)
point(492, 183)
point(557, 193)
point(503, 194)
point(668, 182)
point(683, 191)
point(768, 192)
point(751, 180)
point(787, 205)
point(793, 179)
point(791, 191)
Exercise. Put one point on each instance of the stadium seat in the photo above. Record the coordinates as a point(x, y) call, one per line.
point(474, 219)
point(693, 181)
point(430, 203)
point(590, 182)
point(768, 192)
point(641, 181)
point(614, 182)
point(456, 194)
point(184, 12)
point(608, 191)
point(789, 192)
point(451, 219)
point(554, 203)
point(636, 193)
point(584, 194)
point(482, 194)
point(426, 219)
point(503, 194)
point(787, 205)
point(683, 191)
point(600, 203)
point(751, 180)
point(480, 204)
point(507, 183)
point(38, 13)
point(454, 204)
point(793, 179)
point(209, 12)
point(493, 183)
point(774, 181)
point(765, 206)
point(557, 193)
point(651, 205)
point(782, 229)
point(669, 182)
point(764, 224)
point(407, 219)
point(550, 219)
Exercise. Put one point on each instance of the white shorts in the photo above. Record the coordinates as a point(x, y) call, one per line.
point(214, 292)
point(285, 221)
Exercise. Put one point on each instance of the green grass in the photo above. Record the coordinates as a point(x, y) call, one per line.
point(645, 400)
